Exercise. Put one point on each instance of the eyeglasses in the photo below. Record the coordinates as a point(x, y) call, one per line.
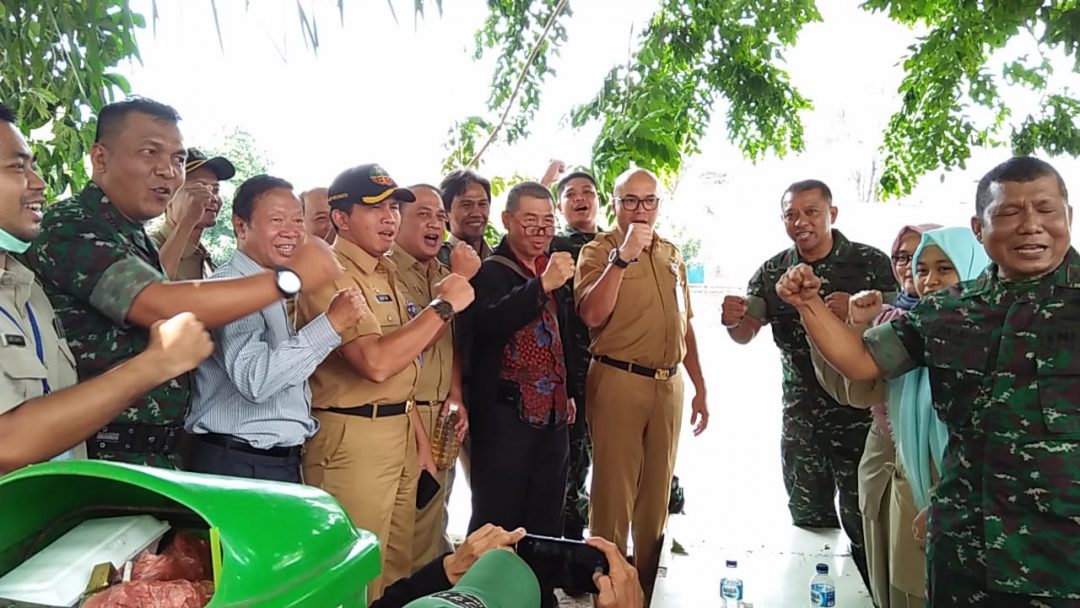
point(902, 258)
point(535, 230)
point(630, 203)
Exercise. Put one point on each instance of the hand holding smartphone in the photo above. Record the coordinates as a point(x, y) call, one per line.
point(562, 563)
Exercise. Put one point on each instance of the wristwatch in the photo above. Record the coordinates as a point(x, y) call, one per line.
point(288, 282)
point(444, 309)
point(613, 258)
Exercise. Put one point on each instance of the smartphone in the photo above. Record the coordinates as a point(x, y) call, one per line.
point(562, 563)
point(426, 489)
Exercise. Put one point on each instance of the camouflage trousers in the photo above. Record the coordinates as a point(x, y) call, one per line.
point(820, 453)
point(576, 509)
point(958, 577)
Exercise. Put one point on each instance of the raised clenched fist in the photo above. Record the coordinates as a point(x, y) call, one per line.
point(181, 342)
point(464, 260)
point(638, 237)
point(559, 270)
point(347, 309)
point(798, 286)
point(864, 307)
point(455, 290)
point(733, 310)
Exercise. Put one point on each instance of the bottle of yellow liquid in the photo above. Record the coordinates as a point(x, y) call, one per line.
point(444, 442)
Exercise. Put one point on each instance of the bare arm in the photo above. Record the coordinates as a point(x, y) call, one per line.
point(378, 358)
point(691, 361)
point(172, 249)
point(599, 301)
point(43, 427)
point(215, 301)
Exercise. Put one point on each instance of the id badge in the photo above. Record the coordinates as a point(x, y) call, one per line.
point(680, 297)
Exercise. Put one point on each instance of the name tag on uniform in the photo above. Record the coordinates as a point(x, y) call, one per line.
point(12, 340)
point(680, 297)
point(383, 297)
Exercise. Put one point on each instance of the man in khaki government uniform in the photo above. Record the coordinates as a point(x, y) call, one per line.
point(43, 413)
point(631, 292)
point(194, 209)
point(365, 454)
point(423, 223)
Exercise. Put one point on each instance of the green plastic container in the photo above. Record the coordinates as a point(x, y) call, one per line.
point(282, 544)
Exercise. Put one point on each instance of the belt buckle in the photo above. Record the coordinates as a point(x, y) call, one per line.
point(662, 374)
point(409, 405)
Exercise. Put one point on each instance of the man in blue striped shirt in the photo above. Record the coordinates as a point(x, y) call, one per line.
point(251, 411)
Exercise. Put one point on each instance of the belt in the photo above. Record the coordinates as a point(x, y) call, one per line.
point(376, 411)
point(232, 443)
point(134, 438)
point(634, 368)
point(424, 403)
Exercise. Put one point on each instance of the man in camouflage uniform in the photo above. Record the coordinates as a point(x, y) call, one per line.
point(102, 273)
point(1002, 351)
point(580, 206)
point(822, 441)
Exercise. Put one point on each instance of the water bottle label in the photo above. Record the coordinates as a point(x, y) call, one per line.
point(731, 589)
point(822, 596)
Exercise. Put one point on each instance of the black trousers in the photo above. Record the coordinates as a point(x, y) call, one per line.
point(518, 475)
point(215, 459)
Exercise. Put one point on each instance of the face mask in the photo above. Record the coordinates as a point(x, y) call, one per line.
point(11, 244)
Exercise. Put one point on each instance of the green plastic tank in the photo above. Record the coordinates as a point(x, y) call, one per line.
point(282, 544)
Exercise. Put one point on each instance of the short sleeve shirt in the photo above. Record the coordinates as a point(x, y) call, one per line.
point(850, 268)
point(649, 321)
point(93, 262)
point(336, 383)
point(416, 281)
point(195, 261)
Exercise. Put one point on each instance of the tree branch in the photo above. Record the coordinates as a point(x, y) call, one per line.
point(517, 87)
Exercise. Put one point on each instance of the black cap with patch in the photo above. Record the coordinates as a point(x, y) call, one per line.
point(366, 185)
point(221, 166)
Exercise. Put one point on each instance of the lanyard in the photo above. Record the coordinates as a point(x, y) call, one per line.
point(37, 340)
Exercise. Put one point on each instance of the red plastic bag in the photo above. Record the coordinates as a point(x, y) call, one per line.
point(152, 594)
point(186, 559)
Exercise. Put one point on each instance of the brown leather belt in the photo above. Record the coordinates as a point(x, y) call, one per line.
point(634, 368)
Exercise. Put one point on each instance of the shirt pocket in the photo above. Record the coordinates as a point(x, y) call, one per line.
point(1058, 376)
point(22, 372)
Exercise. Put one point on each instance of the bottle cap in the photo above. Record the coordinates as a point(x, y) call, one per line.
point(822, 568)
point(453, 407)
point(732, 563)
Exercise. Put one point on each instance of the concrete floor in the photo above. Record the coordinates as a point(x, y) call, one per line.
point(736, 506)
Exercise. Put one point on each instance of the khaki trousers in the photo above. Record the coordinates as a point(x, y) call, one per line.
point(369, 466)
point(634, 421)
point(429, 535)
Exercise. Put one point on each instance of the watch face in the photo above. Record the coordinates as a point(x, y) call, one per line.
point(288, 281)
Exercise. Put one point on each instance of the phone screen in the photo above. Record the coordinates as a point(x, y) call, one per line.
point(562, 563)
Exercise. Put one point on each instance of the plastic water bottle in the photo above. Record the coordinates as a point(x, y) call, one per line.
point(822, 588)
point(731, 586)
point(444, 442)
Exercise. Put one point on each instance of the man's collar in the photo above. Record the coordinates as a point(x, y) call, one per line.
point(12, 272)
point(484, 247)
point(404, 259)
point(94, 198)
point(840, 245)
point(355, 254)
point(246, 264)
